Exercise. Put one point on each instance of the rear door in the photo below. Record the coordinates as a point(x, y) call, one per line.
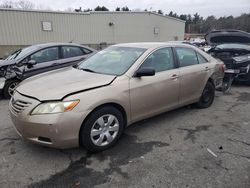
point(194, 73)
point(151, 95)
point(71, 55)
point(46, 59)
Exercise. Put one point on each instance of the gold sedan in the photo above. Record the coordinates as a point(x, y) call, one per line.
point(91, 104)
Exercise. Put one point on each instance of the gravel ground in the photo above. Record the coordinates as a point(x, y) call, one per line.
point(170, 150)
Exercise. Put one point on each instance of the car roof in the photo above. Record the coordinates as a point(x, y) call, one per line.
point(45, 45)
point(149, 45)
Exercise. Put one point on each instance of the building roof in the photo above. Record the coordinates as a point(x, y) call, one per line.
point(93, 12)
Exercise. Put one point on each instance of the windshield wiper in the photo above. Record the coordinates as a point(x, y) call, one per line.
point(88, 70)
point(15, 54)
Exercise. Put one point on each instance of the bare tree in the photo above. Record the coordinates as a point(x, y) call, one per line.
point(7, 4)
point(22, 4)
point(26, 5)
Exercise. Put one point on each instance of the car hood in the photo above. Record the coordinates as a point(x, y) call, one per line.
point(216, 37)
point(7, 62)
point(58, 84)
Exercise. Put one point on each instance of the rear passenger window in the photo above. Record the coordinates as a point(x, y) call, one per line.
point(187, 57)
point(71, 51)
point(160, 60)
point(201, 59)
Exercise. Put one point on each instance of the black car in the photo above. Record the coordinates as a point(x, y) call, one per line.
point(37, 59)
point(233, 48)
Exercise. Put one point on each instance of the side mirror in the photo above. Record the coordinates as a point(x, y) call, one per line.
point(145, 72)
point(31, 63)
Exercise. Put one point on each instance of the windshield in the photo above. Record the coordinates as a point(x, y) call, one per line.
point(113, 60)
point(21, 53)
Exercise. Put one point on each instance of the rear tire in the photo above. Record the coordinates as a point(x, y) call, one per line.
point(10, 87)
point(102, 129)
point(207, 97)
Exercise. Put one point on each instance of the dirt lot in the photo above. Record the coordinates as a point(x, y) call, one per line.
point(169, 150)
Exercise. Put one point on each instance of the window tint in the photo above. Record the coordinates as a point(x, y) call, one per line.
point(186, 57)
point(45, 55)
point(201, 59)
point(71, 51)
point(160, 60)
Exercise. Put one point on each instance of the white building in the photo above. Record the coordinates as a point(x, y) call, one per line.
point(19, 28)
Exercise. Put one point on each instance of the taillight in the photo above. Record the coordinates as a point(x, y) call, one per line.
point(222, 68)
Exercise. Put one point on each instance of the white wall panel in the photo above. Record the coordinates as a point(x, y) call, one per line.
point(19, 27)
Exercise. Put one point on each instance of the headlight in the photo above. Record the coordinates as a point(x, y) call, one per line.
point(54, 107)
point(2, 71)
point(242, 58)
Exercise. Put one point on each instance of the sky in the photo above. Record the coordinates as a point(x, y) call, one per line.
point(203, 7)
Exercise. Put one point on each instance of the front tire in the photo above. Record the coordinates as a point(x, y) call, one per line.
point(102, 129)
point(9, 88)
point(207, 97)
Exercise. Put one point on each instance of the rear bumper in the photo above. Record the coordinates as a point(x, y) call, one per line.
point(244, 74)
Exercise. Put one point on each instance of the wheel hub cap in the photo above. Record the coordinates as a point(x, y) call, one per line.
point(104, 130)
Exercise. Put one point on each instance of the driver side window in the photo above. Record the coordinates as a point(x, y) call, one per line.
point(45, 55)
point(160, 60)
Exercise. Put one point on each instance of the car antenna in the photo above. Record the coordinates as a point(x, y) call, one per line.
point(71, 41)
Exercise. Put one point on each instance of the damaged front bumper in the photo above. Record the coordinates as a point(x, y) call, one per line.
point(243, 74)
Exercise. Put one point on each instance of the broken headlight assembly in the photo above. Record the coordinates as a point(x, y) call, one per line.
point(2, 71)
point(241, 59)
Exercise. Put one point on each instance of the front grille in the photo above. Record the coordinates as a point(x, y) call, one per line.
point(19, 106)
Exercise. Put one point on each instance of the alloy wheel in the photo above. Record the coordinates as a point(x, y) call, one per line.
point(12, 88)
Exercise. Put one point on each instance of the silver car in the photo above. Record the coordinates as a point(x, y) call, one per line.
point(37, 59)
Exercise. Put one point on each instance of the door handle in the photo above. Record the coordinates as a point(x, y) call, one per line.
point(174, 77)
point(206, 69)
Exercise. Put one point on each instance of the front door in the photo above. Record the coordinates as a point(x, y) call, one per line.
point(155, 94)
point(46, 60)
